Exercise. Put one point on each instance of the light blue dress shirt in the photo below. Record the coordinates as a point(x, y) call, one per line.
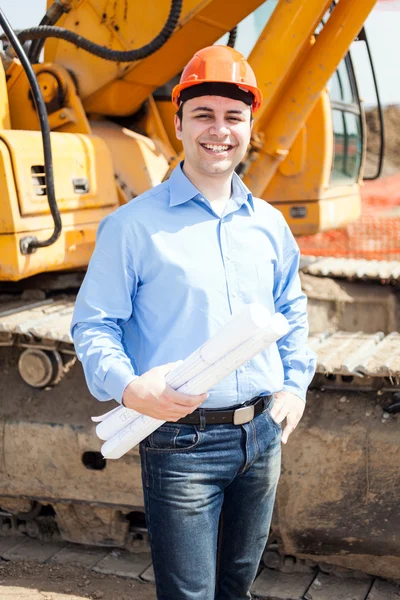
point(167, 273)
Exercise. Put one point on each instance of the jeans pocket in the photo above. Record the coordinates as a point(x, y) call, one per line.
point(270, 418)
point(163, 438)
point(168, 439)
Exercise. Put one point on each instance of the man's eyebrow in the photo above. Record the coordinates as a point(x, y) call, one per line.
point(207, 109)
point(202, 108)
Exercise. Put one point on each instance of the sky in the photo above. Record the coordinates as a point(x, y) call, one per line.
point(382, 26)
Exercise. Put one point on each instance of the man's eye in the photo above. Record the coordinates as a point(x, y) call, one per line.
point(202, 116)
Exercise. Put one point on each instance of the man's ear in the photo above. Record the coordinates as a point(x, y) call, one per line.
point(178, 127)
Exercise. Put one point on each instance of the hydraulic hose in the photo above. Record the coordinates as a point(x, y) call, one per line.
point(37, 45)
point(30, 243)
point(47, 31)
point(54, 12)
point(232, 37)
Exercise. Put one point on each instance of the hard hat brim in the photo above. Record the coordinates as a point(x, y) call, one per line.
point(176, 92)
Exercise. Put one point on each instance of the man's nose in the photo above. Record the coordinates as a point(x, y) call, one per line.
point(219, 129)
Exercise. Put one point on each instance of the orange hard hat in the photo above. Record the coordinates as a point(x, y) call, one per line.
point(218, 64)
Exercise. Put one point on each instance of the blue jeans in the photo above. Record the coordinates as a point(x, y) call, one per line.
point(191, 478)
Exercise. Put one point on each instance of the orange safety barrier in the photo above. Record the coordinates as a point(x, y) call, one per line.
point(376, 234)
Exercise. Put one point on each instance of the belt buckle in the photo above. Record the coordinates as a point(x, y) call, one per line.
point(243, 415)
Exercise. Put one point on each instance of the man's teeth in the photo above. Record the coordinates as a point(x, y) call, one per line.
point(216, 148)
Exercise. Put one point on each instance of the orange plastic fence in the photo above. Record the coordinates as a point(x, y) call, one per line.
point(376, 235)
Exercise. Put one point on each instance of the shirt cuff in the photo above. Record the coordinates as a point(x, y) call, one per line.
point(295, 389)
point(117, 378)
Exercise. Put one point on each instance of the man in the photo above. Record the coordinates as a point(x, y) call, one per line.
point(168, 270)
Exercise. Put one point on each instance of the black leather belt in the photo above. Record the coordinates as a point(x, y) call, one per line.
point(237, 416)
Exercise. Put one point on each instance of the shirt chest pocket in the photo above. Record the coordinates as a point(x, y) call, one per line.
point(258, 275)
point(265, 274)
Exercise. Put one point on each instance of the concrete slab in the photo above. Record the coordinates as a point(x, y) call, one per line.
point(384, 590)
point(148, 575)
point(329, 587)
point(86, 556)
point(123, 564)
point(281, 586)
point(7, 542)
point(30, 549)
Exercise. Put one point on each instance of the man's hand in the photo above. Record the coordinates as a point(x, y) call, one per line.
point(150, 395)
point(290, 407)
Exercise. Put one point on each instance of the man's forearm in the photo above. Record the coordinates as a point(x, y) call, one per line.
point(107, 368)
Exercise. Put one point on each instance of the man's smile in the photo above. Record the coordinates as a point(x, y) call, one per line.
point(217, 149)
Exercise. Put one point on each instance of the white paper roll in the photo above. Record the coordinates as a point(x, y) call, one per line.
point(124, 440)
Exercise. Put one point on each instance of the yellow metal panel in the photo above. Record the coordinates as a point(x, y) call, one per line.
point(302, 91)
point(167, 111)
point(138, 163)
point(8, 195)
point(155, 129)
point(72, 250)
point(295, 160)
point(4, 108)
point(79, 221)
point(322, 215)
point(75, 156)
point(310, 182)
point(111, 88)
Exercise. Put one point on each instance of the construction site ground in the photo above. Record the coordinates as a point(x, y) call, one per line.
point(33, 570)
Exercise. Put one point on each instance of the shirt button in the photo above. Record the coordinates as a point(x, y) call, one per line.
point(234, 294)
point(228, 257)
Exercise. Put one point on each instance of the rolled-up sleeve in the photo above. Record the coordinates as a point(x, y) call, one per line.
point(299, 361)
point(103, 304)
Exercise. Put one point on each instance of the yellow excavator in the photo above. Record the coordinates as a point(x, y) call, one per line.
point(86, 124)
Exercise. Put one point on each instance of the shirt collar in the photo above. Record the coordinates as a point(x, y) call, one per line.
point(181, 189)
point(241, 193)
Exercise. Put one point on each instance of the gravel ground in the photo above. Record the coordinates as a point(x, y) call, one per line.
point(28, 580)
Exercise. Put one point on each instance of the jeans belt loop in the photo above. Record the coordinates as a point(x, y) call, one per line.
point(243, 415)
point(267, 401)
point(202, 419)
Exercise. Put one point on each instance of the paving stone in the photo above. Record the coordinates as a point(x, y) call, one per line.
point(329, 587)
point(8, 542)
point(148, 575)
point(384, 590)
point(86, 556)
point(281, 586)
point(124, 564)
point(30, 549)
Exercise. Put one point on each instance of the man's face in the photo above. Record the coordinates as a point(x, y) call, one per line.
point(215, 132)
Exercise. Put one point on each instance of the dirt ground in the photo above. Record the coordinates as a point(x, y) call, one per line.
point(27, 580)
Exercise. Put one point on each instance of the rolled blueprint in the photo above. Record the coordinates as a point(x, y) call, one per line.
point(142, 426)
point(248, 322)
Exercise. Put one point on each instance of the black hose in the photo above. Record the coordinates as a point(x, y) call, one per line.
point(53, 14)
point(46, 31)
point(27, 245)
point(232, 37)
point(37, 45)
